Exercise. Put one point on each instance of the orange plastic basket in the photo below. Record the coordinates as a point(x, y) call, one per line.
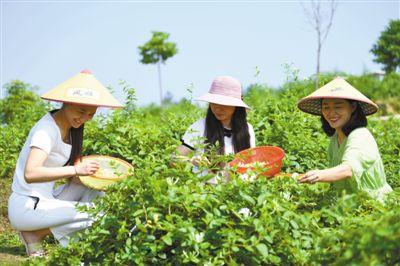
point(269, 157)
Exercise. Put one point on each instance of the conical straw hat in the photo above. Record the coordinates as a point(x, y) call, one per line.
point(84, 89)
point(337, 89)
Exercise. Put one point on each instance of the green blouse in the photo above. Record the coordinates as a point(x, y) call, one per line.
point(360, 151)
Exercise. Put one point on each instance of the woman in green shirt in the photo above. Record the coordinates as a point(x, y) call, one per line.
point(354, 159)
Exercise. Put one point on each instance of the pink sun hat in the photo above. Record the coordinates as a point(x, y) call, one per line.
point(225, 90)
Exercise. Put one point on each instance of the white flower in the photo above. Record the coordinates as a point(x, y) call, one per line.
point(286, 195)
point(199, 237)
point(245, 212)
point(295, 176)
point(247, 177)
point(171, 181)
point(131, 231)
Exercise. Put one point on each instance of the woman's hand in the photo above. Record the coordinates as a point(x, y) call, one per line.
point(36, 172)
point(226, 172)
point(199, 160)
point(87, 168)
point(342, 171)
point(312, 177)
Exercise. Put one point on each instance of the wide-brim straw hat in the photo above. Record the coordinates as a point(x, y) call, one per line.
point(336, 89)
point(84, 89)
point(225, 90)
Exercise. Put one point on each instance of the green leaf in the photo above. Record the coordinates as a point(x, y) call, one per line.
point(247, 198)
point(294, 224)
point(167, 239)
point(263, 249)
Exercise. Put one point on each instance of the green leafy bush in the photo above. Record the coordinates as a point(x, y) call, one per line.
point(19, 111)
point(167, 215)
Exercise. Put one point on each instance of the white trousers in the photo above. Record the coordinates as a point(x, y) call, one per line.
point(59, 214)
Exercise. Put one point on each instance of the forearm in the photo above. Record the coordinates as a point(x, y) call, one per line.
point(180, 155)
point(336, 173)
point(46, 174)
point(183, 154)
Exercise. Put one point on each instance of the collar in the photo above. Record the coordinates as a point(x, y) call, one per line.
point(228, 132)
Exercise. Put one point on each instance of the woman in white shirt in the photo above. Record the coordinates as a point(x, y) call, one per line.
point(225, 123)
point(50, 150)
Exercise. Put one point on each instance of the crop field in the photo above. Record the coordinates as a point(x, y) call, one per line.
point(166, 215)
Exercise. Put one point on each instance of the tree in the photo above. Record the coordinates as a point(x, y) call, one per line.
point(21, 103)
point(168, 99)
point(387, 48)
point(321, 22)
point(156, 51)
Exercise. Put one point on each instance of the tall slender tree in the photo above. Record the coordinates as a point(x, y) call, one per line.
point(156, 51)
point(320, 18)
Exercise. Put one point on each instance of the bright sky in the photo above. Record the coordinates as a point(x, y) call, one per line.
point(46, 42)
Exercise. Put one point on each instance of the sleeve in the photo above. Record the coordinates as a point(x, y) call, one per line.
point(194, 135)
point(252, 136)
point(44, 138)
point(361, 152)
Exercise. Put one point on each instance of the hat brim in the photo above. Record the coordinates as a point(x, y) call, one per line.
point(80, 102)
point(83, 89)
point(222, 100)
point(312, 105)
point(338, 88)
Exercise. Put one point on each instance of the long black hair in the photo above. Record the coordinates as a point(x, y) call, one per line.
point(357, 119)
point(214, 131)
point(76, 141)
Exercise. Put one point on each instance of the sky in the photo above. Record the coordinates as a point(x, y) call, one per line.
point(44, 43)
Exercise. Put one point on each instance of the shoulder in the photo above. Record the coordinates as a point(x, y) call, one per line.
point(194, 134)
point(252, 135)
point(251, 129)
point(360, 134)
point(362, 139)
point(199, 125)
point(46, 125)
point(250, 126)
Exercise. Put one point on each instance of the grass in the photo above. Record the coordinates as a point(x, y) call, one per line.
point(12, 252)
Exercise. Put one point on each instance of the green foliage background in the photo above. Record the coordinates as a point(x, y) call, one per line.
point(166, 215)
point(387, 48)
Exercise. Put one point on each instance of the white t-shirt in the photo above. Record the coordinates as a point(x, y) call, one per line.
point(46, 136)
point(194, 137)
